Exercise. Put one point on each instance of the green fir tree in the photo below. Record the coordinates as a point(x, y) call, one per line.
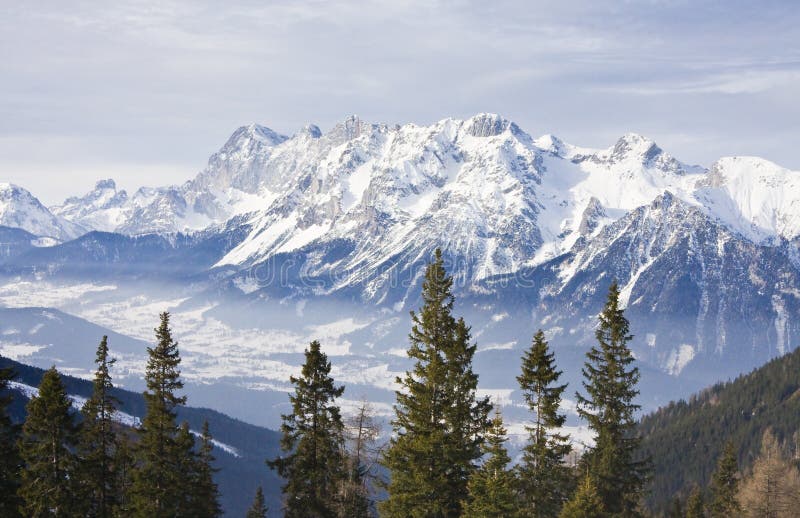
point(585, 503)
point(491, 487)
point(98, 442)
point(545, 481)
point(206, 490)
point(694, 504)
point(312, 441)
point(440, 422)
point(186, 499)
point(259, 508)
point(124, 467)
point(10, 462)
point(48, 441)
point(725, 485)
point(157, 479)
point(610, 382)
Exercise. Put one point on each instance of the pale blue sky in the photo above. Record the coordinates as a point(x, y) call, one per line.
point(144, 91)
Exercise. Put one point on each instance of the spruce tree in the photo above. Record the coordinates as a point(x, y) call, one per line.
point(98, 441)
point(491, 487)
point(439, 423)
point(124, 467)
point(259, 508)
point(545, 481)
point(610, 383)
point(156, 481)
point(694, 505)
point(585, 503)
point(313, 442)
point(47, 443)
point(10, 462)
point(725, 485)
point(187, 502)
point(206, 490)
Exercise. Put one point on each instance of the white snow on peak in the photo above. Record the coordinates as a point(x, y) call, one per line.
point(21, 209)
point(753, 196)
point(479, 187)
point(102, 208)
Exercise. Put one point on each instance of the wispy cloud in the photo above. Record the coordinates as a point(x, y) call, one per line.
point(729, 83)
point(164, 82)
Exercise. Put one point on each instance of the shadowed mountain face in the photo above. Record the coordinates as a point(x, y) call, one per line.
point(280, 240)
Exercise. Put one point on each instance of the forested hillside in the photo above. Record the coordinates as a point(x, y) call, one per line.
point(685, 439)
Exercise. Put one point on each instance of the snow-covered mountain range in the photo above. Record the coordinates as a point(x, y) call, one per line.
point(21, 209)
point(481, 188)
point(533, 228)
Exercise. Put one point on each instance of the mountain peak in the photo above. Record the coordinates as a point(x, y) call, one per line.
point(487, 125)
point(21, 209)
point(246, 135)
point(105, 184)
point(552, 145)
point(310, 130)
point(635, 145)
point(351, 128)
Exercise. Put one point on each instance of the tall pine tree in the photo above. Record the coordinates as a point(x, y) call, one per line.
point(206, 490)
point(9, 455)
point(545, 481)
point(48, 441)
point(725, 485)
point(98, 441)
point(491, 487)
point(197, 495)
point(259, 508)
point(187, 500)
point(439, 423)
point(124, 467)
point(156, 481)
point(610, 383)
point(313, 442)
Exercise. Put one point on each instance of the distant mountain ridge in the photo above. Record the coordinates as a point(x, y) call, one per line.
point(707, 259)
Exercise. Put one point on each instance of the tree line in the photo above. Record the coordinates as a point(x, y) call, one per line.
point(769, 489)
point(66, 464)
point(447, 456)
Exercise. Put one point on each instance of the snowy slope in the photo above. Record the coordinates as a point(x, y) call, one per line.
point(119, 416)
point(20, 209)
point(754, 197)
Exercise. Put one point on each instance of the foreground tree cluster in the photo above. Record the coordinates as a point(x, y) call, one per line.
point(446, 456)
point(63, 463)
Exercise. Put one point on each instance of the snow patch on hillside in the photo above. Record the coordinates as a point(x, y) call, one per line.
point(123, 418)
